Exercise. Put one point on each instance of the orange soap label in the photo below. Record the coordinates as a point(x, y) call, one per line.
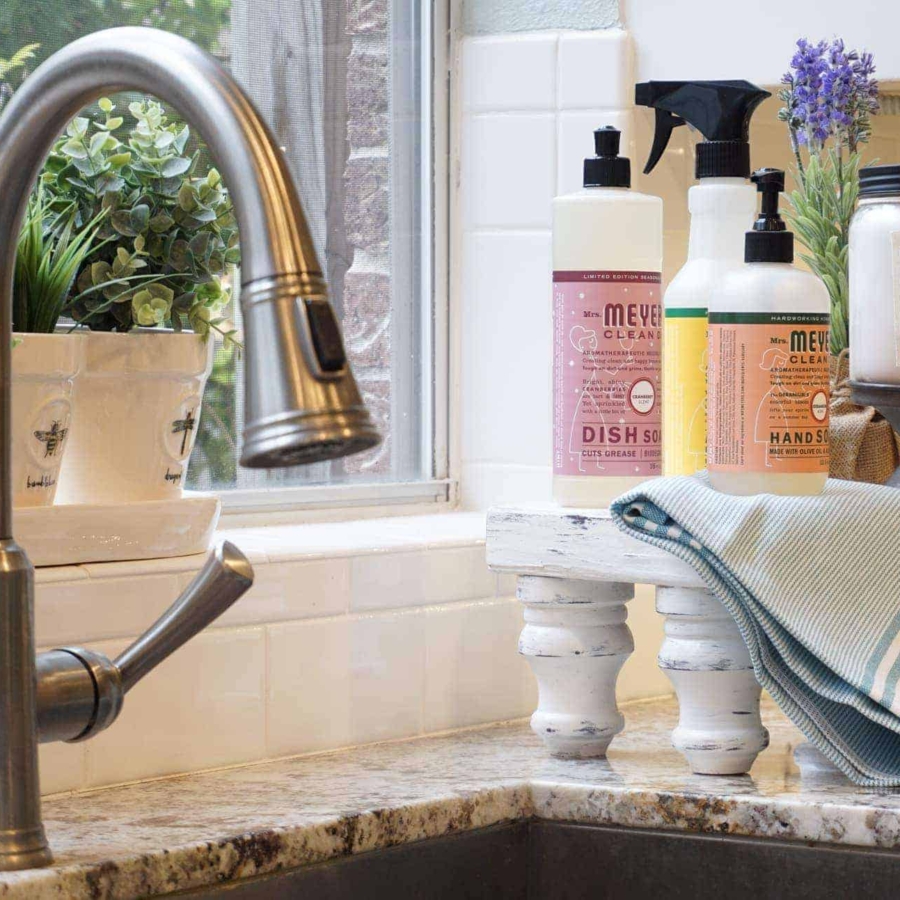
point(767, 403)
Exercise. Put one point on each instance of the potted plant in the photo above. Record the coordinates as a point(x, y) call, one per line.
point(49, 255)
point(830, 94)
point(149, 294)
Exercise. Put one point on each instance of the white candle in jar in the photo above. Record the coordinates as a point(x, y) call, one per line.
point(875, 278)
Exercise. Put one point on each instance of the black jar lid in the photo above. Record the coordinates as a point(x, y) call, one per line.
point(879, 181)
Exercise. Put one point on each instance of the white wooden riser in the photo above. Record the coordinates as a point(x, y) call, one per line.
point(576, 573)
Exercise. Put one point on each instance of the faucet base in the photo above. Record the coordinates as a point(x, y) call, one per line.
point(25, 848)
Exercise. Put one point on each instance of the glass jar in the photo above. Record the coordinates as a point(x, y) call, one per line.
point(874, 264)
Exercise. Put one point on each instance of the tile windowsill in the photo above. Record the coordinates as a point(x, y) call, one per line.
point(272, 544)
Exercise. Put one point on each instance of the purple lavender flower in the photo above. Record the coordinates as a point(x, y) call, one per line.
point(830, 93)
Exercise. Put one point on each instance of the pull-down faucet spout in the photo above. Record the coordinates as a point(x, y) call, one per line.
point(301, 400)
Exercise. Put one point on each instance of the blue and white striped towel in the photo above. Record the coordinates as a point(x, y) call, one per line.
point(814, 586)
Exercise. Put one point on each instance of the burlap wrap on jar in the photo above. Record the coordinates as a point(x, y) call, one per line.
point(863, 444)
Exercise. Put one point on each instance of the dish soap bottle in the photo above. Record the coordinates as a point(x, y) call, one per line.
point(722, 207)
point(768, 365)
point(607, 332)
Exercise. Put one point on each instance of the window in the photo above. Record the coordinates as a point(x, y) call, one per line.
point(346, 87)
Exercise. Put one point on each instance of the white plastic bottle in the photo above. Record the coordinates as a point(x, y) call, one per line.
point(721, 211)
point(722, 207)
point(607, 333)
point(768, 366)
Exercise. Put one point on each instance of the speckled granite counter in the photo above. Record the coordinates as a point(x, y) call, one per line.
point(162, 836)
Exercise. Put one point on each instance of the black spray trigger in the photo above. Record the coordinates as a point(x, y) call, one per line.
point(666, 123)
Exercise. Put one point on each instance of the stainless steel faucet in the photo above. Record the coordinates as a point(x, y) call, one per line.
point(302, 404)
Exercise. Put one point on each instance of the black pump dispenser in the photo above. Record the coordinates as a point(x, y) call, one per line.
point(769, 241)
point(607, 168)
point(719, 110)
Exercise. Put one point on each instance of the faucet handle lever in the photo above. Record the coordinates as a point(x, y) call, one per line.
point(225, 577)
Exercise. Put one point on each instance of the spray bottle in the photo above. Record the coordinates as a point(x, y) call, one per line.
point(722, 207)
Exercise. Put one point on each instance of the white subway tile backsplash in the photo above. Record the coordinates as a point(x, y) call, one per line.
point(596, 70)
point(293, 590)
point(54, 574)
point(506, 348)
point(506, 585)
point(473, 673)
point(387, 676)
point(488, 484)
point(203, 707)
point(308, 693)
point(91, 609)
point(576, 141)
point(62, 767)
point(353, 680)
point(419, 578)
point(509, 72)
point(641, 676)
point(506, 182)
point(335, 677)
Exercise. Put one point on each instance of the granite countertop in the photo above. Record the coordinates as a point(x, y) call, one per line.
point(203, 829)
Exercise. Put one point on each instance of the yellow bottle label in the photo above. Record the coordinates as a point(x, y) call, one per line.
point(684, 390)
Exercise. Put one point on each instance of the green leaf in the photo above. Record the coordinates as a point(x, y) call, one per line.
point(105, 104)
point(161, 222)
point(74, 149)
point(121, 222)
point(178, 256)
point(78, 127)
point(181, 139)
point(100, 272)
point(140, 218)
point(176, 166)
point(187, 198)
point(200, 245)
point(98, 142)
point(117, 160)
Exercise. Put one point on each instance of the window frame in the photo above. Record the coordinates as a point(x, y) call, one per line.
point(425, 381)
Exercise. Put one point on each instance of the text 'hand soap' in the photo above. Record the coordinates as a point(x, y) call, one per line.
point(607, 333)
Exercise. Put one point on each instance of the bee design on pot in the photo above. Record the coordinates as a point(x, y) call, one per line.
point(52, 439)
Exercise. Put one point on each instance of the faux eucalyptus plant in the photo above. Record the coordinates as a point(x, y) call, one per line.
point(830, 95)
point(167, 234)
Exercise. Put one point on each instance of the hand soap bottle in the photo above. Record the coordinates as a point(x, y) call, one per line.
point(768, 365)
point(607, 333)
point(722, 207)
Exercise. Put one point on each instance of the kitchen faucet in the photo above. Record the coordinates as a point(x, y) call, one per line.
point(301, 400)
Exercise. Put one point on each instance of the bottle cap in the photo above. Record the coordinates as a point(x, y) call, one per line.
point(607, 168)
point(769, 241)
point(879, 181)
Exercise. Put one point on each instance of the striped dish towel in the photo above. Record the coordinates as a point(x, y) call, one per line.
point(814, 586)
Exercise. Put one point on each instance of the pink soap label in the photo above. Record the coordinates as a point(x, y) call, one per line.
point(607, 373)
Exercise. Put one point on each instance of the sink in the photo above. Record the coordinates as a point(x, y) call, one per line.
point(542, 860)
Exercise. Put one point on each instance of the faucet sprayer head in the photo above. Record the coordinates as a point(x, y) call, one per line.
point(302, 403)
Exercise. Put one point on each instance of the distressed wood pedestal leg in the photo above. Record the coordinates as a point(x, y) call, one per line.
point(719, 728)
point(576, 641)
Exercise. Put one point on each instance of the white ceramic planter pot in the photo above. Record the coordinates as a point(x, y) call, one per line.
point(138, 398)
point(44, 367)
